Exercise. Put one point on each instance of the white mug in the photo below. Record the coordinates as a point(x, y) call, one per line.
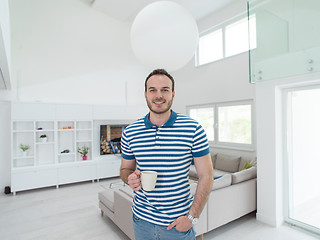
point(148, 180)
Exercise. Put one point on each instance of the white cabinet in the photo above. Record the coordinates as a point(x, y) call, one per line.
point(109, 167)
point(76, 172)
point(52, 157)
point(33, 178)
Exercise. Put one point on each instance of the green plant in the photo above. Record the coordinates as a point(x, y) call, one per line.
point(43, 136)
point(83, 150)
point(24, 147)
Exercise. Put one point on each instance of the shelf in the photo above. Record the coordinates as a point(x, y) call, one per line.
point(66, 154)
point(22, 157)
point(44, 143)
point(47, 156)
point(22, 131)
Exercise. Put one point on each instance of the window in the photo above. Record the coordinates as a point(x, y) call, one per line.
point(235, 124)
point(205, 116)
point(227, 40)
point(210, 47)
point(226, 124)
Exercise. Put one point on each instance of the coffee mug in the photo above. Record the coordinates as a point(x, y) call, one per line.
point(148, 180)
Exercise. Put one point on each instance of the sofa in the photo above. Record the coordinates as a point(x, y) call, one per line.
point(233, 195)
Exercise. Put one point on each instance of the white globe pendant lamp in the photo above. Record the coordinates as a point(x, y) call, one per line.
point(164, 35)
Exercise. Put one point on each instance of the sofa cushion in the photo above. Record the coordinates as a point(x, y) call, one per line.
point(227, 163)
point(213, 159)
point(127, 190)
point(193, 172)
point(244, 175)
point(221, 182)
point(218, 173)
point(107, 198)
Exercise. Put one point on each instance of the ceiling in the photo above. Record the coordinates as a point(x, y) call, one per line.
point(126, 10)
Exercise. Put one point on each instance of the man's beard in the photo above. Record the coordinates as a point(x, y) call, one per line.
point(160, 111)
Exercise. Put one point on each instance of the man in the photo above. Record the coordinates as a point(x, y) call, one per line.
point(165, 142)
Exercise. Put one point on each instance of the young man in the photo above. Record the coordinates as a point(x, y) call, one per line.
point(165, 142)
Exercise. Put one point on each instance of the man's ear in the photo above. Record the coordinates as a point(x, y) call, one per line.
point(145, 94)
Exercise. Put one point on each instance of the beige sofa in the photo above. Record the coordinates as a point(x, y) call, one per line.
point(233, 195)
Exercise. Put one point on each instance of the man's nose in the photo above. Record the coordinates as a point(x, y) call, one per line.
point(159, 94)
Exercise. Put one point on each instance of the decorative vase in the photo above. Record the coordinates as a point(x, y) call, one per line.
point(84, 157)
point(43, 140)
point(24, 153)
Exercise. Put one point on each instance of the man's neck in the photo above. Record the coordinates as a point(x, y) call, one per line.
point(159, 119)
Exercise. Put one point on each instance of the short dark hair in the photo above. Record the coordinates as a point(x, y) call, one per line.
point(159, 72)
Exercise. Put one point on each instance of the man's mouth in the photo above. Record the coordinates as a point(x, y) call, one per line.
point(159, 101)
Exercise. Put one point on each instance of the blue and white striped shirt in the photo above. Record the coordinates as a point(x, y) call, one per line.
point(168, 150)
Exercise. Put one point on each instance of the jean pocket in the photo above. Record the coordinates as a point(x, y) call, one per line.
point(182, 231)
point(135, 218)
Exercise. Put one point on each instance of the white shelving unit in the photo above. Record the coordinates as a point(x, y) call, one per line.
point(55, 161)
point(23, 133)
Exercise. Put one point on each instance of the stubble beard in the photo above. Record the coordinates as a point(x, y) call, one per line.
point(149, 103)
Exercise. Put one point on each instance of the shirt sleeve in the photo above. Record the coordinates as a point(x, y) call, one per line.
point(126, 152)
point(200, 145)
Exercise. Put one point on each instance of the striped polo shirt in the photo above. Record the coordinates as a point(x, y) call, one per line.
point(168, 150)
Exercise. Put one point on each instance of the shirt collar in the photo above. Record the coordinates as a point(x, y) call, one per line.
point(170, 122)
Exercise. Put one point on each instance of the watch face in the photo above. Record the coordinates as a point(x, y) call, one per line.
point(195, 221)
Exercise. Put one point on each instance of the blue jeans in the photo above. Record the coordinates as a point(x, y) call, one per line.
point(144, 230)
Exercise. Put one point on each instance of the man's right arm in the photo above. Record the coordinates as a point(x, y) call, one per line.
point(129, 174)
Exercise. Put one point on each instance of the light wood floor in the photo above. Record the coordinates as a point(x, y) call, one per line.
point(72, 212)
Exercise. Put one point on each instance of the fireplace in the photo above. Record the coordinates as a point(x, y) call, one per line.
point(110, 139)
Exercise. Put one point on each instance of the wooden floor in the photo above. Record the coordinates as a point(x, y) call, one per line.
point(72, 212)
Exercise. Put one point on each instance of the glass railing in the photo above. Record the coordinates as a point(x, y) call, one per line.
point(287, 38)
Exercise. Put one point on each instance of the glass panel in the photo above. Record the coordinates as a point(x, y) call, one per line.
point(304, 156)
point(235, 124)
point(288, 38)
point(205, 116)
point(210, 47)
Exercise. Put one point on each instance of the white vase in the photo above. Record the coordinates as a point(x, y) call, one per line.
point(43, 140)
point(24, 153)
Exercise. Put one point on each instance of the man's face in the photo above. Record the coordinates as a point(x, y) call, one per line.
point(159, 94)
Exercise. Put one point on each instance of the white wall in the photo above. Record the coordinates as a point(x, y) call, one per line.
point(5, 144)
point(68, 52)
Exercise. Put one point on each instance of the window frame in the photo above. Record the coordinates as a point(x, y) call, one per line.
point(230, 145)
point(223, 27)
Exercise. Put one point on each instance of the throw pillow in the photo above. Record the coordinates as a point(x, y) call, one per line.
point(247, 165)
point(227, 163)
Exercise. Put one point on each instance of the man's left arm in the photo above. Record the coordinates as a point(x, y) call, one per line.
point(205, 173)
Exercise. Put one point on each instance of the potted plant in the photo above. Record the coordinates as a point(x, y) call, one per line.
point(43, 138)
point(24, 149)
point(83, 151)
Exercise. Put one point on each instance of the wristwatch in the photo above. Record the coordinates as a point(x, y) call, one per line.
point(192, 219)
